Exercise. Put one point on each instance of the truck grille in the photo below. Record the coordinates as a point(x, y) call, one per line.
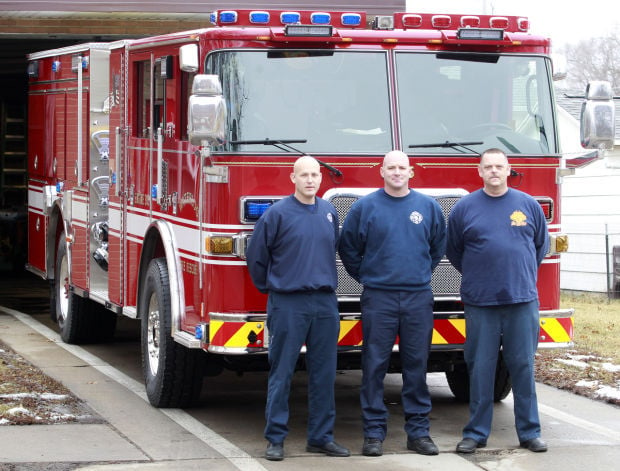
point(446, 280)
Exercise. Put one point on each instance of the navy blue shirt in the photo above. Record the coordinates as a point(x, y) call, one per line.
point(393, 243)
point(497, 243)
point(293, 247)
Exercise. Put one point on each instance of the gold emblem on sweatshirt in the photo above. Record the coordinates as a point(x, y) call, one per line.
point(518, 218)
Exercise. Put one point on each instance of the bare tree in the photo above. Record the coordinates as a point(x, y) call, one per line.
point(594, 59)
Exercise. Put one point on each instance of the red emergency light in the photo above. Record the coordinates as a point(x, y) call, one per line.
point(470, 21)
point(441, 21)
point(547, 206)
point(412, 21)
point(516, 24)
point(500, 22)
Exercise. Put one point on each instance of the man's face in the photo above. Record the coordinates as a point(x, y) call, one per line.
point(396, 172)
point(307, 179)
point(494, 171)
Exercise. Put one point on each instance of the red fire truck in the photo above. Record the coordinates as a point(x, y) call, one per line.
point(150, 160)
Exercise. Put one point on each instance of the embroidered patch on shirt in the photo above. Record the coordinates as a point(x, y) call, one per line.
point(416, 217)
point(518, 218)
point(330, 218)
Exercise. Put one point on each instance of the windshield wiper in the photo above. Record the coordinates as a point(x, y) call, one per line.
point(285, 145)
point(453, 145)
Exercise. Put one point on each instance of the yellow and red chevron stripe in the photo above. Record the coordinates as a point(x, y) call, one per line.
point(556, 330)
point(236, 335)
point(240, 335)
point(350, 333)
point(448, 332)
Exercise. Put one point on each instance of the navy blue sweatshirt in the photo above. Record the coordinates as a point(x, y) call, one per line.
point(293, 247)
point(497, 243)
point(393, 243)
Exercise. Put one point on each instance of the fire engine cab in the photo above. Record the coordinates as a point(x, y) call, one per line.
point(150, 161)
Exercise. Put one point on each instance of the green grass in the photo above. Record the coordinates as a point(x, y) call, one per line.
point(597, 324)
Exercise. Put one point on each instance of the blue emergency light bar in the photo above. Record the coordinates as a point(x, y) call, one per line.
point(290, 17)
point(259, 17)
point(351, 19)
point(320, 18)
point(283, 18)
point(228, 17)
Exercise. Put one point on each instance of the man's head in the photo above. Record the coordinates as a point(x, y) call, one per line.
point(494, 170)
point(306, 176)
point(396, 172)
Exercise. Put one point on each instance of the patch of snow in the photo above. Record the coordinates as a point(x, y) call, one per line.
point(586, 384)
point(609, 392)
point(601, 391)
point(610, 367)
point(59, 417)
point(581, 357)
point(44, 396)
point(575, 363)
point(19, 410)
point(54, 397)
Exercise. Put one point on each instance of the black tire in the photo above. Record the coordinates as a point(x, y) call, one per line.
point(503, 382)
point(70, 308)
point(458, 381)
point(173, 374)
point(80, 320)
point(53, 316)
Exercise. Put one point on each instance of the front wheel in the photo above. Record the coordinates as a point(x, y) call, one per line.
point(173, 374)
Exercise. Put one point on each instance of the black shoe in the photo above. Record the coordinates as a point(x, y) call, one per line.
point(469, 445)
point(274, 452)
point(423, 446)
point(372, 447)
point(535, 444)
point(330, 449)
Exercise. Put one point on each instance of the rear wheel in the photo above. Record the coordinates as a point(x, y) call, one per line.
point(70, 308)
point(80, 320)
point(458, 381)
point(173, 374)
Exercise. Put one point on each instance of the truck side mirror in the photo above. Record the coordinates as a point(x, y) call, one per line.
point(188, 58)
point(207, 111)
point(598, 117)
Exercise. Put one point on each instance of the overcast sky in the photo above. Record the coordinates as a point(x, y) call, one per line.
point(564, 22)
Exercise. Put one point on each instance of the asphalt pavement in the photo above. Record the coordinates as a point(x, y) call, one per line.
point(226, 432)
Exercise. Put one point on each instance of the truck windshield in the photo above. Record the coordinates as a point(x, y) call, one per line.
point(336, 101)
point(494, 100)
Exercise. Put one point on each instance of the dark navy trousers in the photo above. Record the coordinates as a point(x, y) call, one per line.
point(515, 327)
point(386, 315)
point(295, 319)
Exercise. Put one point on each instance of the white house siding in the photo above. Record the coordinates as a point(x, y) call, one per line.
point(591, 218)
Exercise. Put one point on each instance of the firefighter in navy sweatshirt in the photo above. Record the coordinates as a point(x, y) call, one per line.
point(391, 242)
point(497, 239)
point(292, 257)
